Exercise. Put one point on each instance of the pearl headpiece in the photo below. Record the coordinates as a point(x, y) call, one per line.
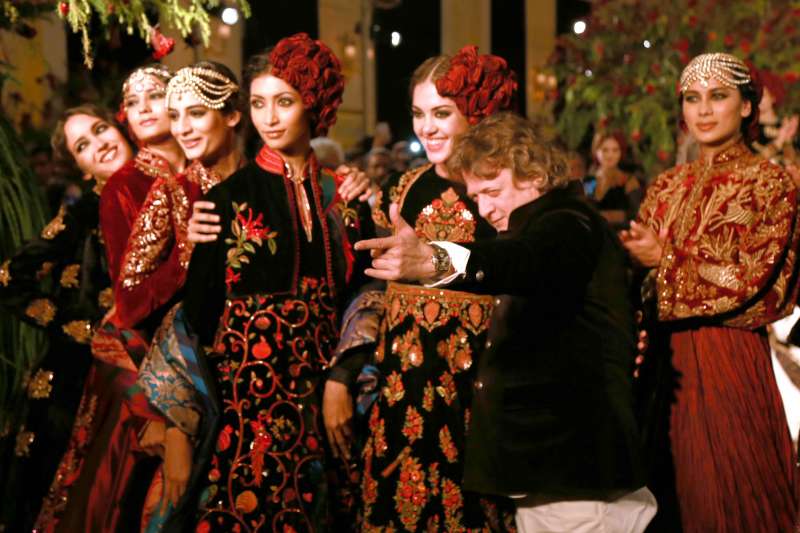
point(729, 70)
point(139, 76)
point(210, 87)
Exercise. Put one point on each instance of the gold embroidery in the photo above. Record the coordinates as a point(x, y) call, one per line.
point(106, 298)
point(44, 270)
point(398, 193)
point(80, 330)
point(446, 219)
point(5, 274)
point(69, 276)
point(431, 308)
point(150, 237)
point(152, 164)
point(55, 226)
point(41, 310)
point(378, 214)
point(40, 385)
point(24, 441)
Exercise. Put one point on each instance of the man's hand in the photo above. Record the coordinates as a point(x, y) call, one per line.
point(355, 184)
point(337, 412)
point(177, 466)
point(401, 256)
point(643, 244)
point(203, 227)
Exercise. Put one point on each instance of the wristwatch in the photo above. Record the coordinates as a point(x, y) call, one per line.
point(440, 259)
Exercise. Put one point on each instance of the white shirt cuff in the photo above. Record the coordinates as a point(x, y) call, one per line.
point(459, 256)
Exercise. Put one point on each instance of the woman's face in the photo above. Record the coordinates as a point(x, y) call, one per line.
point(99, 148)
point(145, 107)
point(609, 153)
point(437, 121)
point(204, 134)
point(278, 115)
point(714, 113)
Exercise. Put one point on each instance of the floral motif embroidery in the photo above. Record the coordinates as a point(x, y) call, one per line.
point(45, 269)
point(446, 445)
point(431, 308)
point(453, 502)
point(79, 330)
point(41, 310)
point(151, 235)
point(69, 276)
point(24, 441)
point(40, 385)
point(433, 478)
point(411, 495)
point(456, 351)
point(394, 390)
point(407, 347)
point(447, 388)
point(248, 231)
point(106, 298)
point(427, 397)
point(412, 428)
point(446, 219)
point(5, 274)
point(55, 226)
point(378, 431)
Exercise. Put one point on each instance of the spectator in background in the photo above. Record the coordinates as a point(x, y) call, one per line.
point(777, 136)
point(576, 165)
point(329, 152)
point(379, 163)
point(616, 194)
point(382, 136)
point(401, 156)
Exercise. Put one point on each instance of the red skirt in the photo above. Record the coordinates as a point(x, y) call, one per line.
point(735, 466)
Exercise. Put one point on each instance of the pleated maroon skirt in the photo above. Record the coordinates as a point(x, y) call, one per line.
point(735, 466)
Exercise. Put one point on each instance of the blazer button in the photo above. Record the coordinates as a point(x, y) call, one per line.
point(479, 385)
point(479, 275)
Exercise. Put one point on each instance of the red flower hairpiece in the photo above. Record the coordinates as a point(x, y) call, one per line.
point(314, 71)
point(479, 84)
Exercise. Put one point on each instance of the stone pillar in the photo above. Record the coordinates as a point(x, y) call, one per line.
point(344, 25)
point(466, 22)
point(540, 37)
point(29, 93)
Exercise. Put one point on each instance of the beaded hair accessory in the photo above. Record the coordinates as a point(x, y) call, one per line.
point(210, 87)
point(136, 81)
point(729, 70)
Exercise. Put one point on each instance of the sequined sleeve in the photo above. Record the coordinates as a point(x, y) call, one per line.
point(169, 374)
point(732, 243)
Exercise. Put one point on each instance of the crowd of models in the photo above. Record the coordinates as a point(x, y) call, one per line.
point(253, 346)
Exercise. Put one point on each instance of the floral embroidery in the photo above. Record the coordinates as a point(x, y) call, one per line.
point(69, 276)
point(55, 226)
point(248, 231)
point(45, 269)
point(447, 388)
point(40, 385)
point(79, 330)
point(446, 219)
point(5, 274)
point(151, 235)
point(407, 347)
point(446, 445)
point(432, 308)
point(106, 298)
point(412, 428)
point(378, 431)
point(452, 501)
point(427, 397)
point(411, 495)
point(394, 390)
point(24, 441)
point(41, 310)
point(456, 351)
point(433, 478)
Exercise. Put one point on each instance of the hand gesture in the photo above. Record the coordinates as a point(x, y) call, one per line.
point(787, 131)
point(203, 227)
point(177, 466)
point(355, 184)
point(401, 256)
point(643, 244)
point(337, 412)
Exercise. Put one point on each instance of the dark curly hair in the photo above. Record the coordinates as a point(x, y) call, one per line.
point(312, 69)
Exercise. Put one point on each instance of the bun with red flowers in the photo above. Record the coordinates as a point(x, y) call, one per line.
point(479, 84)
point(314, 71)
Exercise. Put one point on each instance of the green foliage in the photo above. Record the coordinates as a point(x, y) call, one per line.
point(612, 82)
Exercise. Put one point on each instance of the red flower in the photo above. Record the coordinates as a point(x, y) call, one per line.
point(63, 7)
point(314, 71)
point(692, 21)
point(636, 136)
point(728, 41)
point(162, 45)
point(745, 45)
point(712, 36)
point(650, 88)
point(662, 155)
point(231, 277)
point(682, 45)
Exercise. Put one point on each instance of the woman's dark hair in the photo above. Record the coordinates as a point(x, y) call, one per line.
point(58, 139)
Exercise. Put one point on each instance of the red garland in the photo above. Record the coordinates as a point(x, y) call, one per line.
point(162, 45)
point(315, 72)
point(480, 84)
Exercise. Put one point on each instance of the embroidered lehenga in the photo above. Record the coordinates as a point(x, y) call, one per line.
point(427, 343)
point(728, 269)
point(265, 298)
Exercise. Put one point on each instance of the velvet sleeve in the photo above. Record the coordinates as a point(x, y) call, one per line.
point(118, 210)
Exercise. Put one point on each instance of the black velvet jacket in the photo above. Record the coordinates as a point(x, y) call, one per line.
point(553, 410)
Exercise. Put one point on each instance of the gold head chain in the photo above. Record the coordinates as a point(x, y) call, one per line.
point(213, 94)
point(729, 70)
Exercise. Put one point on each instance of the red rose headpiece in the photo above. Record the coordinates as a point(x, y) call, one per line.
point(315, 72)
point(480, 84)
